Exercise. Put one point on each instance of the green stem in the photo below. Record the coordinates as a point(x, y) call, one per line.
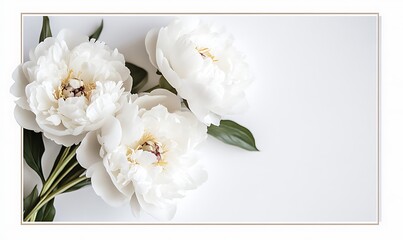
point(33, 217)
point(60, 166)
point(64, 154)
point(59, 162)
point(76, 175)
point(45, 200)
point(54, 185)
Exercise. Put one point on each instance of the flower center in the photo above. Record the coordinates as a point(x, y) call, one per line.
point(73, 87)
point(150, 144)
point(153, 147)
point(205, 53)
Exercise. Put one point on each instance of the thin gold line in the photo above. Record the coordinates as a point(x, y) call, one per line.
point(225, 13)
point(201, 13)
point(379, 118)
point(201, 223)
point(21, 132)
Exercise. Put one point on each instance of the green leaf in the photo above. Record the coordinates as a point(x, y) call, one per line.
point(97, 32)
point(79, 185)
point(30, 201)
point(186, 103)
point(165, 85)
point(45, 32)
point(232, 133)
point(139, 76)
point(47, 212)
point(33, 151)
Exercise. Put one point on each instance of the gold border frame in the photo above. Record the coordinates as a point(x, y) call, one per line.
point(378, 119)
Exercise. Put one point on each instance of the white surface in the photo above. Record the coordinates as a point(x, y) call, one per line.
point(312, 111)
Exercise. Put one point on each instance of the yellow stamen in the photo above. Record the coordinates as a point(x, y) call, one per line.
point(150, 144)
point(205, 52)
point(88, 86)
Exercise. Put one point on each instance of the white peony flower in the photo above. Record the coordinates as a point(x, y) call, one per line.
point(201, 63)
point(144, 155)
point(69, 87)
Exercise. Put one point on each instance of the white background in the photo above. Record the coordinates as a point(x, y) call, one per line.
point(312, 110)
point(391, 127)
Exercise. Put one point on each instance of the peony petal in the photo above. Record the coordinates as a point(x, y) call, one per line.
point(166, 70)
point(127, 85)
point(23, 103)
point(151, 43)
point(88, 152)
point(146, 158)
point(111, 134)
point(40, 50)
point(101, 107)
point(103, 186)
point(131, 123)
point(186, 61)
point(18, 88)
point(69, 55)
point(194, 130)
point(67, 140)
point(147, 101)
point(201, 63)
point(71, 38)
point(135, 206)
point(54, 119)
point(164, 214)
point(204, 115)
point(26, 119)
point(159, 97)
point(212, 118)
point(172, 102)
point(115, 163)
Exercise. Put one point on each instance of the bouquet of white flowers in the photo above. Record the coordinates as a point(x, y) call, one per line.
point(132, 146)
